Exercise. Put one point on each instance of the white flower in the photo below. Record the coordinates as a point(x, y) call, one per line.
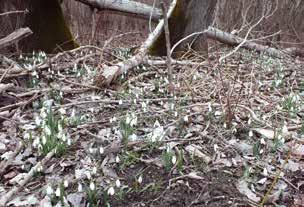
point(133, 122)
point(38, 121)
point(173, 160)
point(62, 111)
point(101, 150)
point(284, 129)
point(265, 172)
point(117, 159)
point(175, 114)
point(47, 131)
point(43, 140)
point(215, 147)
point(26, 135)
point(39, 168)
point(57, 192)
point(217, 113)
point(73, 113)
point(156, 124)
point(63, 137)
point(249, 121)
point(186, 119)
point(128, 120)
point(79, 187)
point(69, 141)
point(117, 183)
point(49, 190)
point(250, 134)
point(120, 102)
point(92, 186)
point(209, 107)
point(139, 179)
point(88, 174)
point(65, 183)
point(94, 170)
point(132, 137)
point(36, 142)
point(263, 141)
point(225, 125)
point(262, 181)
point(59, 127)
point(111, 191)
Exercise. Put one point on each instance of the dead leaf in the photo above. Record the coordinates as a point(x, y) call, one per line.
point(243, 189)
point(76, 199)
point(196, 151)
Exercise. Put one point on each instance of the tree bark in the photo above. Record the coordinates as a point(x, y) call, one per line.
point(44, 18)
point(189, 16)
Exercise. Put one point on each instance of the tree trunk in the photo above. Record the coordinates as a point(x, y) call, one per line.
point(50, 30)
point(44, 18)
point(189, 16)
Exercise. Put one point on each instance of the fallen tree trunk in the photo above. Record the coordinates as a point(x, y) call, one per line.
point(109, 74)
point(15, 37)
point(126, 6)
point(234, 40)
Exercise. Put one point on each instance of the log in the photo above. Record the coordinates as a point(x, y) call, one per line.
point(15, 37)
point(233, 40)
point(126, 6)
point(109, 74)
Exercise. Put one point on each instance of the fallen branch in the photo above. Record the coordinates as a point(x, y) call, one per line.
point(7, 197)
point(15, 37)
point(126, 6)
point(109, 74)
point(233, 40)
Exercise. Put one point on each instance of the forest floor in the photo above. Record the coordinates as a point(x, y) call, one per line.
point(230, 134)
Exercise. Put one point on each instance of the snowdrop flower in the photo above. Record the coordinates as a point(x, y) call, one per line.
point(250, 134)
point(88, 174)
point(57, 192)
point(265, 172)
point(111, 191)
point(120, 102)
point(173, 160)
point(62, 111)
point(63, 137)
point(36, 142)
point(175, 114)
point(79, 187)
point(128, 120)
point(92, 186)
point(49, 190)
point(117, 159)
point(101, 150)
point(139, 179)
point(60, 127)
point(65, 183)
point(186, 118)
point(39, 168)
point(26, 135)
point(69, 142)
point(38, 121)
point(133, 137)
point(117, 183)
point(47, 131)
point(209, 107)
point(133, 122)
point(43, 140)
point(284, 129)
point(263, 141)
point(94, 170)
